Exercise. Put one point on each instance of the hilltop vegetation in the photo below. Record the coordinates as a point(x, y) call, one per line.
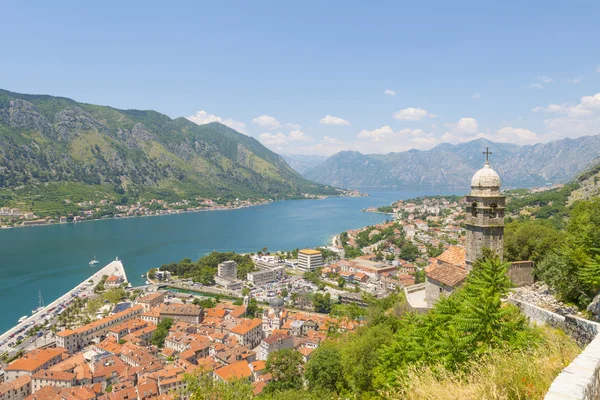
point(559, 229)
point(51, 146)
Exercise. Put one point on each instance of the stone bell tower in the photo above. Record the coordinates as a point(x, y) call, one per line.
point(485, 214)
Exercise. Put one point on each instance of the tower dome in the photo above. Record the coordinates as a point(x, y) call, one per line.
point(486, 177)
point(276, 302)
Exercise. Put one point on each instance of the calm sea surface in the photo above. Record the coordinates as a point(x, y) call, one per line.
point(55, 258)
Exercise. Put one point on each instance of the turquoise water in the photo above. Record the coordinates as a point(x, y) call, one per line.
point(55, 258)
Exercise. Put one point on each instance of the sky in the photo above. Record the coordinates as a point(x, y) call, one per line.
point(318, 77)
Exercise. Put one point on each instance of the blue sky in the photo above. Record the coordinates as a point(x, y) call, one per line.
point(311, 76)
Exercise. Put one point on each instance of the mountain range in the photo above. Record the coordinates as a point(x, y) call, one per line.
point(448, 165)
point(47, 140)
point(303, 162)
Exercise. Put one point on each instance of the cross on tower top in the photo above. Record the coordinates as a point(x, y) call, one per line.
point(487, 153)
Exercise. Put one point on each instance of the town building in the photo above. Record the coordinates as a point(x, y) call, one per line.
point(190, 313)
point(248, 332)
point(75, 339)
point(228, 283)
point(275, 342)
point(32, 362)
point(235, 371)
point(16, 389)
point(309, 260)
point(52, 378)
point(259, 278)
point(445, 274)
point(151, 300)
point(274, 317)
point(227, 269)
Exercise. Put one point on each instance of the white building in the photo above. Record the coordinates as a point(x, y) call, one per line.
point(258, 278)
point(309, 260)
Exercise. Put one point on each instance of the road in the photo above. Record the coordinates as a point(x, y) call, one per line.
point(50, 313)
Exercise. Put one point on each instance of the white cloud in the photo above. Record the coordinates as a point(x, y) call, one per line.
point(331, 120)
point(573, 120)
point(476, 96)
point(387, 134)
point(266, 121)
point(378, 135)
point(389, 92)
point(292, 127)
point(298, 135)
point(202, 117)
point(545, 79)
point(586, 107)
point(576, 80)
point(277, 141)
point(535, 86)
point(412, 114)
point(508, 134)
point(465, 125)
point(273, 139)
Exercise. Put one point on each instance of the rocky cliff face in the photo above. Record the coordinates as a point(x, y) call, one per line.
point(453, 165)
point(53, 139)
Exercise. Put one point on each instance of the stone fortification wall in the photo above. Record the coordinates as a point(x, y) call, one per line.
point(581, 330)
point(581, 378)
point(521, 273)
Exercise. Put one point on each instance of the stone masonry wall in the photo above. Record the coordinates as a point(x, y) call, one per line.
point(581, 379)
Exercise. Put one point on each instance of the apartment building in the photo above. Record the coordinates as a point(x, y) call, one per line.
point(309, 260)
point(75, 339)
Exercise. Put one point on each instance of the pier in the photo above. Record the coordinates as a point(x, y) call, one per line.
point(84, 289)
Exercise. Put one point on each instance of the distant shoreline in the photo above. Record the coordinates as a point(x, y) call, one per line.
point(167, 213)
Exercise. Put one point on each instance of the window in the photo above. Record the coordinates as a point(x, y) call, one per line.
point(474, 209)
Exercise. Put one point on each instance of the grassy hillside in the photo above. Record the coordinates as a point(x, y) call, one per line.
point(50, 146)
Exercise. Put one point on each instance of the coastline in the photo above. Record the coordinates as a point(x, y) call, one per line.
point(174, 212)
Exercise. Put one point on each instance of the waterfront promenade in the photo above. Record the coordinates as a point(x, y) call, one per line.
point(84, 289)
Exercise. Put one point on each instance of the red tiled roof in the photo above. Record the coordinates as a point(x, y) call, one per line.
point(454, 255)
point(447, 274)
point(236, 370)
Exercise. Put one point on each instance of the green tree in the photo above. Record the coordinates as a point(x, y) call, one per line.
point(245, 291)
point(322, 302)
point(161, 332)
point(202, 386)
point(341, 282)
point(252, 308)
point(285, 366)
point(530, 240)
point(324, 370)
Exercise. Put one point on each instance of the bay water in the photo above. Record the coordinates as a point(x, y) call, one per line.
point(55, 258)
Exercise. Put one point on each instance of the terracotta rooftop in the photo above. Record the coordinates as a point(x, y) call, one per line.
point(150, 297)
point(447, 274)
point(34, 359)
point(45, 393)
point(15, 384)
point(454, 255)
point(54, 375)
point(180, 309)
point(246, 326)
point(99, 322)
point(274, 338)
point(236, 370)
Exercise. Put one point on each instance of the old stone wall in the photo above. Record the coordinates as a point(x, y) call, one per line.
point(521, 273)
point(581, 379)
